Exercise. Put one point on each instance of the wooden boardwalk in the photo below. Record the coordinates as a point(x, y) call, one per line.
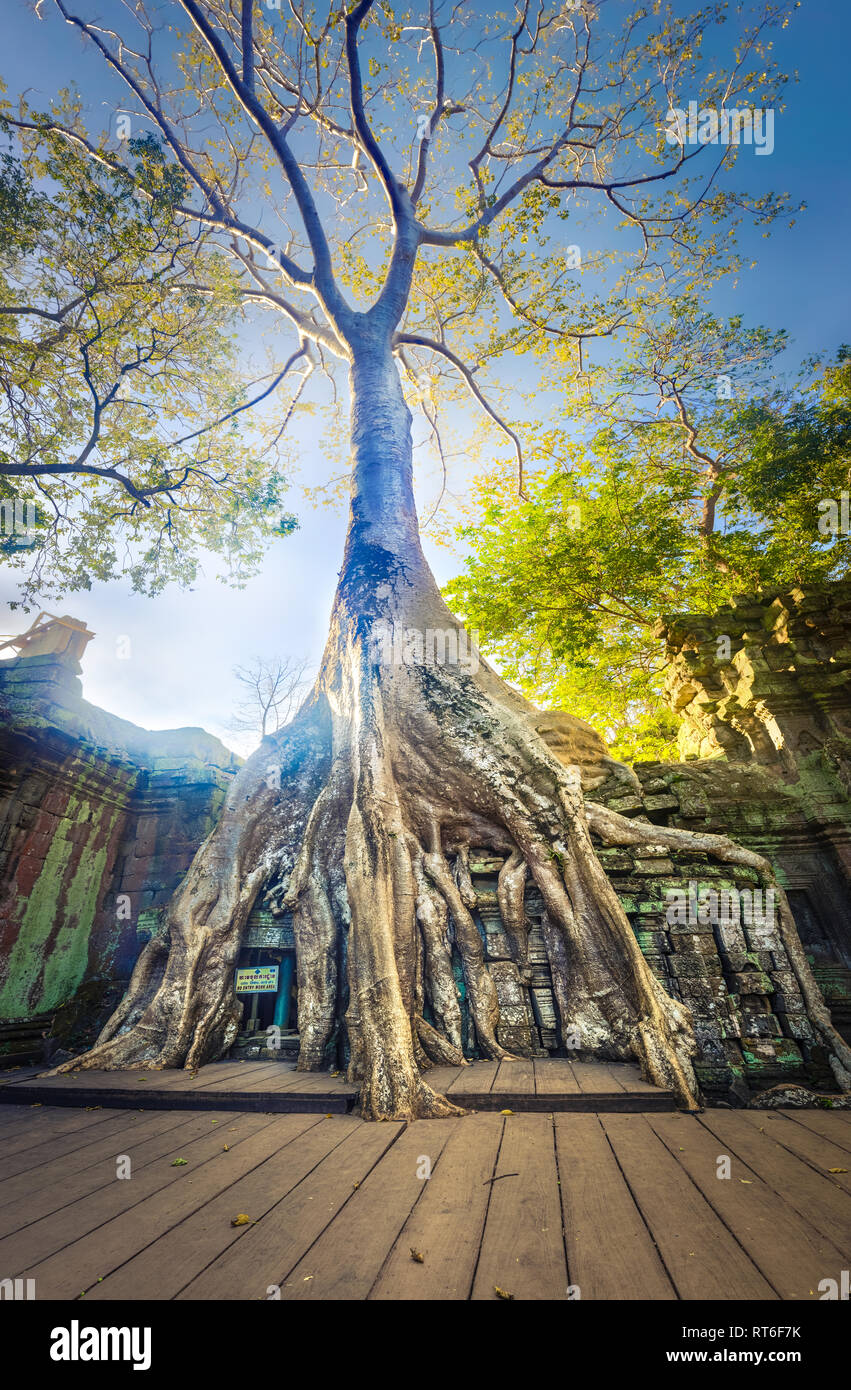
point(540, 1206)
point(541, 1085)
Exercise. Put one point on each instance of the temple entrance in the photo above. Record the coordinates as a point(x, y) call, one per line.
point(265, 983)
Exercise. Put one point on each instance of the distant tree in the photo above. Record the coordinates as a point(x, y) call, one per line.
point(119, 444)
point(707, 477)
point(272, 692)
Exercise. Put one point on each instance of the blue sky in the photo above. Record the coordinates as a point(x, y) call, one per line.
point(184, 645)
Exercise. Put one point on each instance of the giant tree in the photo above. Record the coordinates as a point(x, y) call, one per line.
point(395, 141)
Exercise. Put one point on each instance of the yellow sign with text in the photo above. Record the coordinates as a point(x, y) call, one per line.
point(257, 979)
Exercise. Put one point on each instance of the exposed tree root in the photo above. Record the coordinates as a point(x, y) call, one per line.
point(370, 852)
point(614, 829)
point(180, 1008)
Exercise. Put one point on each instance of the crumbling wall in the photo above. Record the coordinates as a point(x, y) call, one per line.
point(99, 820)
point(765, 679)
point(735, 977)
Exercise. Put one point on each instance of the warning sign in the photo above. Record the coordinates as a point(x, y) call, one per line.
point(257, 979)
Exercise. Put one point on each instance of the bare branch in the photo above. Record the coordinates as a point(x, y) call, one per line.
point(417, 340)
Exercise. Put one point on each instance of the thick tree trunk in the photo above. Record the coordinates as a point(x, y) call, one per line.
point(392, 770)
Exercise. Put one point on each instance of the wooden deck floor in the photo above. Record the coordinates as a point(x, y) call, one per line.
point(541, 1085)
point(618, 1206)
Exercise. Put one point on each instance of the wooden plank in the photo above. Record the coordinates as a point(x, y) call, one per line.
point(814, 1197)
point(27, 1154)
point(267, 1252)
point(629, 1075)
point(91, 1080)
point(80, 1266)
point(50, 1119)
point(13, 1074)
point(819, 1152)
point(254, 1073)
point(477, 1079)
point(285, 1081)
point(345, 1261)
point(554, 1077)
point(26, 1248)
point(225, 1076)
point(516, 1078)
point(309, 1083)
point(12, 1117)
point(310, 1099)
point(791, 1255)
point(9, 1113)
point(610, 1253)
point(175, 1129)
point(595, 1078)
point(523, 1245)
point(107, 1139)
point(832, 1125)
point(441, 1078)
point(179, 1079)
point(702, 1258)
point(446, 1224)
point(42, 1124)
point(173, 1260)
point(237, 1078)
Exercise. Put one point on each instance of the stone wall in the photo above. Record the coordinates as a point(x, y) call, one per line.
point(763, 694)
point(750, 1019)
point(99, 821)
point(765, 680)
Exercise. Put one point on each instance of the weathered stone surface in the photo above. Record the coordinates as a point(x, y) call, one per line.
point(766, 681)
point(92, 836)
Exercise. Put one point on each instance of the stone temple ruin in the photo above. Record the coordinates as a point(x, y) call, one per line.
point(100, 820)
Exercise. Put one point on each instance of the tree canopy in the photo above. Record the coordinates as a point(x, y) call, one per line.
point(119, 442)
point(708, 477)
point(426, 168)
point(428, 163)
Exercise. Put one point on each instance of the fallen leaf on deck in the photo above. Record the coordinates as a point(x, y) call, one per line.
point(241, 1220)
point(502, 1293)
point(506, 1112)
point(180, 1163)
point(417, 1257)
